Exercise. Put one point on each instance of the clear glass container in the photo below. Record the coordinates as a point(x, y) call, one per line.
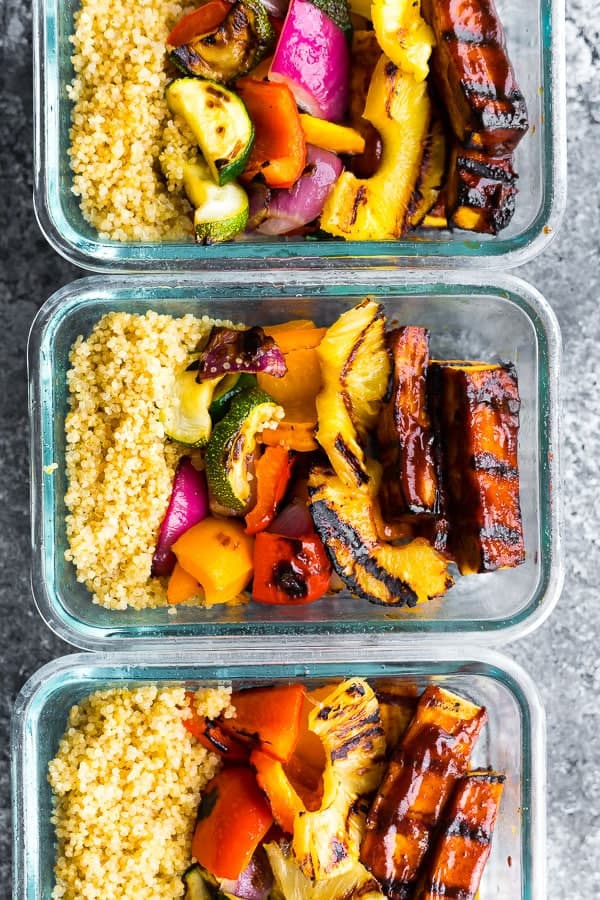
point(469, 317)
point(513, 741)
point(535, 35)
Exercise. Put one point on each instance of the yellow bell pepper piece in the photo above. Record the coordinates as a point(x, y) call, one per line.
point(403, 35)
point(218, 554)
point(329, 136)
point(376, 208)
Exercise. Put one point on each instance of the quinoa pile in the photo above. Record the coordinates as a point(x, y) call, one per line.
point(121, 129)
point(127, 780)
point(119, 466)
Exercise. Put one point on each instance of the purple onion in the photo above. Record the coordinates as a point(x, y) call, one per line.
point(230, 350)
point(255, 882)
point(302, 203)
point(313, 59)
point(276, 8)
point(187, 506)
point(293, 521)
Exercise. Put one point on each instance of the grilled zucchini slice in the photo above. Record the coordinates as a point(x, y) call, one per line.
point(218, 120)
point(185, 415)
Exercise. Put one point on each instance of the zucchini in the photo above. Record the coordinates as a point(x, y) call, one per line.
point(235, 47)
point(196, 887)
point(229, 387)
point(232, 444)
point(221, 212)
point(218, 120)
point(185, 416)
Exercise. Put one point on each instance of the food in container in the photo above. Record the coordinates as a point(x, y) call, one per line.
point(299, 119)
point(202, 457)
point(281, 791)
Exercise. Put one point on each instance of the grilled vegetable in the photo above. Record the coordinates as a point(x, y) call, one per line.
point(197, 22)
point(462, 849)
point(431, 174)
point(212, 736)
point(279, 150)
point(289, 570)
point(233, 48)
point(228, 388)
point(196, 888)
point(220, 212)
point(330, 136)
point(188, 504)
point(355, 369)
point(273, 472)
point(404, 433)
point(434, 752)
point(218, 554)
point(312, 57)
point(219, 122)
point(231, 350)
point(292, 884)
point(230, 450)
point(378, 571)
point(377, 208)
point(365, 54)
point(326, 842)
point(232, 820)
point(481, 191)
point(268, 718)
point(403, 35)
point(185, 412)
point(182, 586)
point(474, 77)
point(479, 405)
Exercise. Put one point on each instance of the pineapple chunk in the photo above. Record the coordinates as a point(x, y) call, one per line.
point(292, 884)
point(403, 35)
point(355, 369)
point(326, 841)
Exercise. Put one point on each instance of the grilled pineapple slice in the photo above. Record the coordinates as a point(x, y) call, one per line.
point(355, 369)
point(395, 575)
point(403, 35)
point(326, 841)
point(292, 884)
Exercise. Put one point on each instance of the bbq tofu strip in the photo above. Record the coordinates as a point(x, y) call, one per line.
point(434, 752)
point(479, 408)
point(474, 76)
point(405, 435)
point(462, 849)
point(481, 191)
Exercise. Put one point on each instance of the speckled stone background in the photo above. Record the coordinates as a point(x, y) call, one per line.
point(563, 655)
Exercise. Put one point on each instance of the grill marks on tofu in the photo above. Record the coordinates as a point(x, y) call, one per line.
point(481, 191)
point(434, 752)
point(474, 76)
point(405, 433)
point(479, 406)
point(462, 849)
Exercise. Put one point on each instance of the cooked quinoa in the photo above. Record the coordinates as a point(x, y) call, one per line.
point(127, 780)
point(121, 129)
point(119, 466)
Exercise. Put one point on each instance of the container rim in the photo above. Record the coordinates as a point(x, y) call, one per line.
point(90, 637)
point(97, 256)
point(501, 668)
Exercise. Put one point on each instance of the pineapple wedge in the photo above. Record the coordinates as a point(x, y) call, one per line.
point(326, 842)
point(292, 884)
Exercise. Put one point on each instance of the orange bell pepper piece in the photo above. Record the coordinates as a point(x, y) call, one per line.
point(267, 717)
point(197, 22)
point(283, 799)
point(233, 818)
point(212, 737)
point(218, 554)
point(181, 586)
point(273, 471)
point(298, 389)
point(279, 149)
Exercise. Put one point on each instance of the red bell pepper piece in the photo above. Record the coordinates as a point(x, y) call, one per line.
point(289, 571)
point(279, 149)
point(212, 736)
point(233, 818)
point(273, 471)
point(267, 718)
point(199, 21)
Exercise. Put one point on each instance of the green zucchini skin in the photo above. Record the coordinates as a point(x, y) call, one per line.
point(233, 49)
point(227, 390)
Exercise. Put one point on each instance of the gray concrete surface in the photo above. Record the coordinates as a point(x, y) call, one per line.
point(563, 655)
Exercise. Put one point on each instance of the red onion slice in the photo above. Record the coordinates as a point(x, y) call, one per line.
point(302, 203)
point(313, 59)
point(231, 350)
point(293, 521)
point(188, 505)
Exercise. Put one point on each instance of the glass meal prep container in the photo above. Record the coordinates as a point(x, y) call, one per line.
point(535, 41)
point(468, 318)
point(512, 741)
